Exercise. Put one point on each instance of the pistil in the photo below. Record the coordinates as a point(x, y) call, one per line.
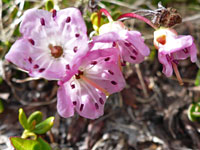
point(56, 51)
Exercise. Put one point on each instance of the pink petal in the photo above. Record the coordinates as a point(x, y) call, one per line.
point(167, 66)
point(64, 104)
point(41, 29)
point(82, 97)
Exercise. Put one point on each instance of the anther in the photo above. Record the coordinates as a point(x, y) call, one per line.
point(133, 57)
point(31, 41)
point(67, 67)
point(81, 107)
point(54, 13)
point(77, 35)
point(41, 70)
point(68, 19)
point(101, 101)
point(107, 59)
point(36, 66)
point(75, 49)
point(74, 103)
point(73, 86)
point(42, 21)
point(94, 62)
point(96, 106)
point(114, 83)
point(30, 60)
point(110, 72)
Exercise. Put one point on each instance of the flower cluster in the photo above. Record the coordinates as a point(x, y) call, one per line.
point(55, 46)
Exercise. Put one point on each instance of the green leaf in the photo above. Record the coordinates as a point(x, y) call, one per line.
point(34, 118)
point(44, 145)
point(197, 80)
point(23, 119)
point(194, 112)
point(23, 144)
point(28, 134)
point(44, 126)
point(49, 5)
point(1, 106)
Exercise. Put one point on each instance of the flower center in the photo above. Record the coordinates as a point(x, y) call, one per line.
point(56, 51)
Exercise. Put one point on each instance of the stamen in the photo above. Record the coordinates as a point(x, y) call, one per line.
point(110, 72)
point(161, 39)
point(74, 103)
point(54, 12)
point(42, 21)
point(73, 86)
point(36, 66)
point(177, 73)
point(114, 44)
point(107, 59)
point(41, 70)
point(101, 101)
point(75, 49)
point(93, 62)
point(30, 60)
point(68, 19)
point(31, 41)
point(67, 67)
point(97, 106)
point(185, 50)
point(133, 57)
point(81, 107)
point(77, 35)
point(95, 85)
point(114, 83)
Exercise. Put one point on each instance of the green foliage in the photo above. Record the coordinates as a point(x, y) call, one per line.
point(194, 112)
point(1, 106)
point(23, 119)
point(197, 80)
point(24, 144)
point(44, 126)
point(33, 127)
point(49, 5)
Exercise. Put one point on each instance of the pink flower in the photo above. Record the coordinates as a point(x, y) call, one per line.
point(130, 45)
point(172, 48)
point(98, 76)
point(52, 44)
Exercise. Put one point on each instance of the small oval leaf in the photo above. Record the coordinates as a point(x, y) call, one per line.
point(44, 145)
point(23, 119)
point(34, 118)
point(44, 126)
point(23, 144)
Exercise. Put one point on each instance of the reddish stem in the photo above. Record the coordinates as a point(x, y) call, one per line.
point(177, 73)
point(133, 15)
point(102, 10)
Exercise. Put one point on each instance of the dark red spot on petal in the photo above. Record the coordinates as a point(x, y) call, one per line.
point(127, 44)
point(68, 19)
point(101, 101)
point(54, 12)
point(186, 50)
point(123, 63)
point(77, 35)
point(112, 73)
point(114, 83)
point(81, 107)
point(134, 51)
point(175, 61)
point(36, 66)
point(30, 60)
point(31, 41)
point(75, 49)
point(73, 86)
point(74, 103)
point(133, 57)
point(107, 59)
point(96, 106)
point(168, 58)
point(41, 70)
point(67, 67)
point(114, 44)
point(94, 62)
point(42, 21)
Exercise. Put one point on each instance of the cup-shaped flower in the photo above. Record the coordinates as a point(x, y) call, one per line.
point(98, 76)
point(130, 45)
point(172, 48)
point(52, 43)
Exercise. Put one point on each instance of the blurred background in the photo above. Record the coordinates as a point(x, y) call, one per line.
point(149, 114)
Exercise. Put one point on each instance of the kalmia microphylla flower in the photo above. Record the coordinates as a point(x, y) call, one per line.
point(172, 48)
point(98, 77)
point(130, 45)
point(52, 43)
